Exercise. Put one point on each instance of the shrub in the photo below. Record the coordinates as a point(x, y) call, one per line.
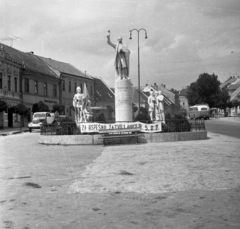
point(59, 108)
point(143, 116)
point(178, 123)
point(3, 106)
point(65, 126)
point(100, 118)
point(40, 107)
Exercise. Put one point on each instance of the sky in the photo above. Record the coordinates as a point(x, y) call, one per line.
point(185, 37)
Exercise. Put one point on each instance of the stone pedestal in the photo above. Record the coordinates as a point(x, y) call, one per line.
point(123, 100)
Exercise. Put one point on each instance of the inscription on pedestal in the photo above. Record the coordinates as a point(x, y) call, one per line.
point(123, 100)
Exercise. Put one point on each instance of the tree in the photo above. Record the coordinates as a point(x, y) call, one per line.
point(3, 106)
point(21, 110)
point(59, 108)
point(221, 99)
point(207, 90)
point(134, 107)
point(100, 118)
point(235, 103)
point(40, 107)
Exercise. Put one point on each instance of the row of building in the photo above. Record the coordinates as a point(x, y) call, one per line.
point(28, 78)
point(232, 85)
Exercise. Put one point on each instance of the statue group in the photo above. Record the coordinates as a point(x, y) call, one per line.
point(82, 107)
point(156, 106)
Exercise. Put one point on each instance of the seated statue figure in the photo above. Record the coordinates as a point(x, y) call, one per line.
point(87, 111)
point(78, 101)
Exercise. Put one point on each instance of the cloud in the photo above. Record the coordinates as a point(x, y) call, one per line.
point(185, 38)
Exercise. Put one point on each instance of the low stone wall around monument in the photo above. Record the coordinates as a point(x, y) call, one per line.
point(144, 138)
point(174, 136)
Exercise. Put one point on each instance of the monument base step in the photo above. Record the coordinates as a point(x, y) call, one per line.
point(95, 139)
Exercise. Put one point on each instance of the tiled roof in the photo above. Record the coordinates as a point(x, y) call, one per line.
point(29, 60)
point(168, 94)
point(228, 82)
point(143, 95)
point(63, 67)
point(102, 91)
point(234, 85)
point(235, 94)
point(183, 92)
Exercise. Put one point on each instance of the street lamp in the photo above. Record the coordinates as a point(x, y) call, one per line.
point(138, 30)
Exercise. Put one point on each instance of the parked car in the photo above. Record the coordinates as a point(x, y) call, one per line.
point(199, 111)
point(38, 118)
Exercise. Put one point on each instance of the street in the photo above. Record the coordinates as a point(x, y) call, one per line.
point(183, 185)
point(225, 126)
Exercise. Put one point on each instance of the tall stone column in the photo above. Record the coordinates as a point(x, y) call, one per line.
point(123, 100)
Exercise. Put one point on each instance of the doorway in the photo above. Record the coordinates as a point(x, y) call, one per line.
point(10, 117)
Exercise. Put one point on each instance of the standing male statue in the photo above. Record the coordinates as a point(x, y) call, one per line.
point(121, 57)
point(151, 105)
point(160, 107)
point(78, 101)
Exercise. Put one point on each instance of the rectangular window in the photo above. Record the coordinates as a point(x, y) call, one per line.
point(36, 87)
point(63, 85)
point(75, 87)
point(9, 83)
point(45, 89)
point(15, 84)
point(69, 86)
point(1, 80)
point(54, 90)
point(26, 85)
point(81, 87)
point(91, 90)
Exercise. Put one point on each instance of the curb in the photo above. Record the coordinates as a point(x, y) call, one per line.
point(13, 132)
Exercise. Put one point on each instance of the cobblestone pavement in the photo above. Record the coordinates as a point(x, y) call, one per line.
point(212, 164)
point(176, 185)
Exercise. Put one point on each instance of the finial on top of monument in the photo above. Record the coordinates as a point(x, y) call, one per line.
point(122, 55)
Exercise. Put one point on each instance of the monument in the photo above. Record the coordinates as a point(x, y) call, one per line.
point(123, 85)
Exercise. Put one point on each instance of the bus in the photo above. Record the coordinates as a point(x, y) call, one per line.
point(199, 111)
